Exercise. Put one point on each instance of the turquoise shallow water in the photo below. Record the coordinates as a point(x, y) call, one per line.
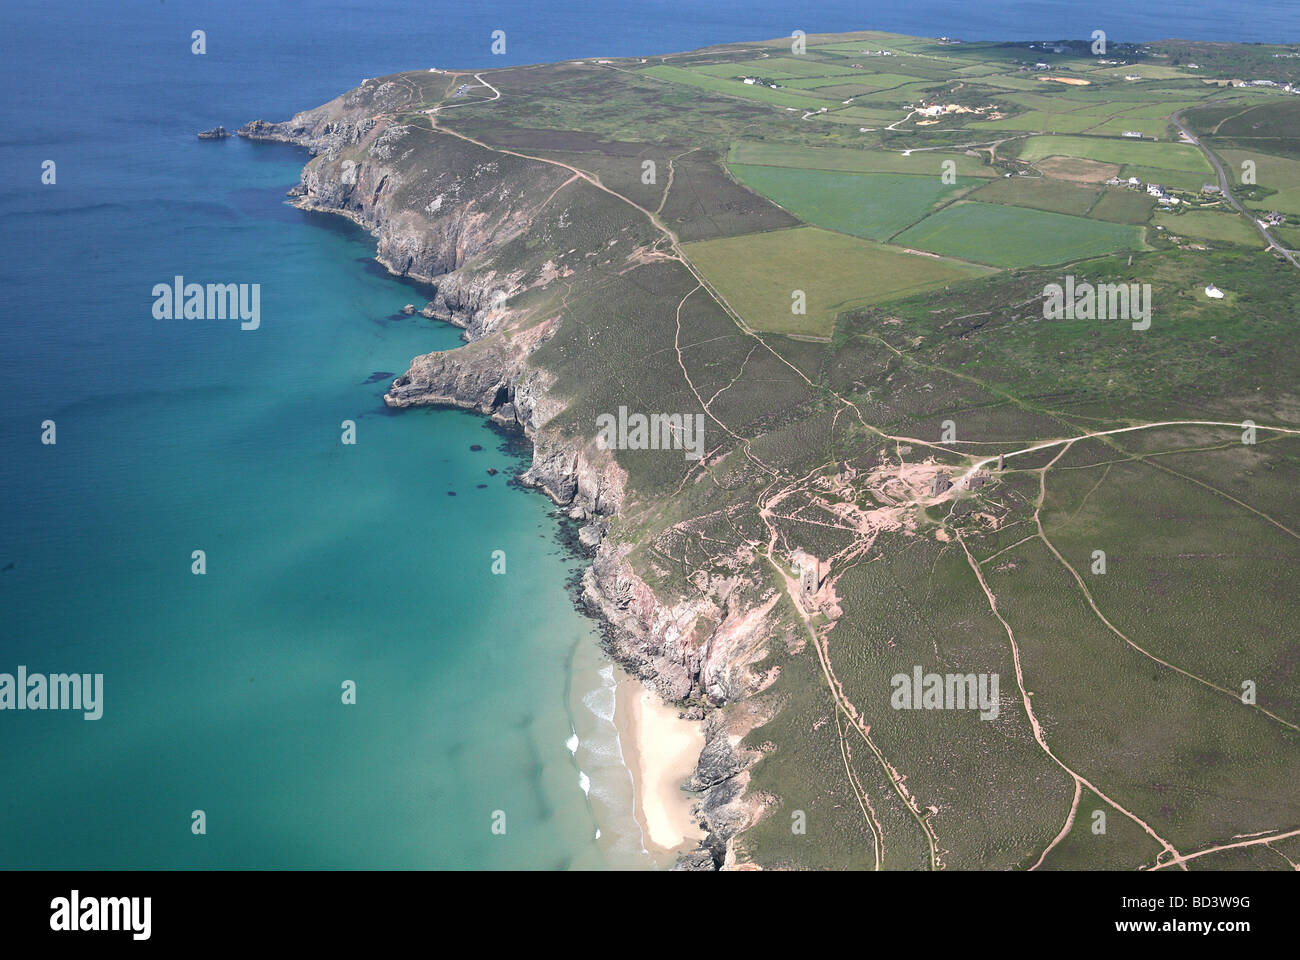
point(325, 562)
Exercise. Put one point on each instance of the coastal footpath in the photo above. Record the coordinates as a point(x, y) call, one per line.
point(454, 241)
point(835, 259)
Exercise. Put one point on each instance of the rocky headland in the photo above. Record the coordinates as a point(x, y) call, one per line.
point(441, 210)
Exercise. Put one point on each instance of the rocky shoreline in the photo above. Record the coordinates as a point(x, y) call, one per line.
point(492, 376)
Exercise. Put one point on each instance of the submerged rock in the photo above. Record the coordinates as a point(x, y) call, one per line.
point(476, 205)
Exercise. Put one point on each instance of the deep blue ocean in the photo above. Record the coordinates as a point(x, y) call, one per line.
point(326, 562)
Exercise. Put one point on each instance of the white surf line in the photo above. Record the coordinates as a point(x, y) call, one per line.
point(1105, 433)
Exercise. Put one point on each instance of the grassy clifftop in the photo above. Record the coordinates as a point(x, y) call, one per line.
point(840, 268)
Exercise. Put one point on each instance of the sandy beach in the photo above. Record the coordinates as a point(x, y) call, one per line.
point(660, 750)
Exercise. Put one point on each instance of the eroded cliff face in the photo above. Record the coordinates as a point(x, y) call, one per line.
point(700, 648)
point(432, 201)
point(439, 215)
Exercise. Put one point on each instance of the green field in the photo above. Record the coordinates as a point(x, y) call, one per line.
point(1038, 120)
point(777, 68)
point(1043, 102)
point(871, 205)
point(1170, 156)
point(1014, 81)
point(783, 97)
point(1149, 71)
point(803, 67)
point(831, 88)
point(1276, 173)
point(731, 69)
point(834, 408)
point(884, 80)
point(1040, 193)
point(1161, 110)
point(1178, 179)
point(1007, 236)
point(1121, 205)
point(1211, 225)
point(881, 113)
point(757, 274)
point(852, 116)
point(905, 93)
point(1152, 127)
point(847, 160)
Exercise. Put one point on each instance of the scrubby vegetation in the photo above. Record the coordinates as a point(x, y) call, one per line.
point(876, 173)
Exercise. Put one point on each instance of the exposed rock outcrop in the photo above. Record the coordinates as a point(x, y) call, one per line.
point(429, 225)
point(722, 776)
point(427, 222)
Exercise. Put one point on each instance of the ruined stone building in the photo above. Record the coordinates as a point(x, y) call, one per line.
point(809, 579)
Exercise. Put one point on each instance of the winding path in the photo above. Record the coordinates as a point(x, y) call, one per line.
point(979, 465)
point(846, 715)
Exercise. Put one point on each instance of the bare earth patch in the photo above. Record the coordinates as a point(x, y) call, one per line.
point(1077, 169)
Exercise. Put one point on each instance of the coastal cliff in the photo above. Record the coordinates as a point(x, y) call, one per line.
point(771, 544)
point(456, 215)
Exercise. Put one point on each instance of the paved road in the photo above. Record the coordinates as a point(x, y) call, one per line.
point(1225, 184)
